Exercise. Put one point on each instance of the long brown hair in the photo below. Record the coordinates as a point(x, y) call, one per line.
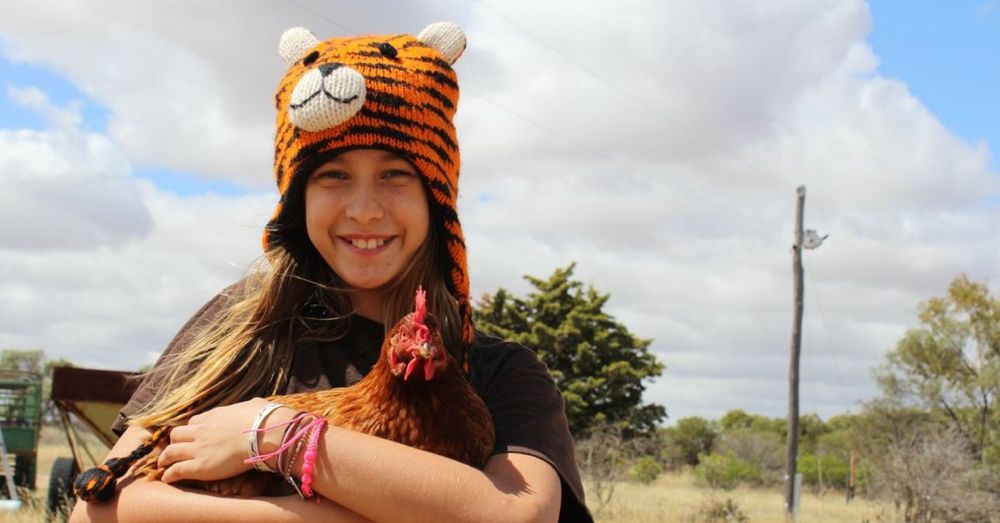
point(247, 350)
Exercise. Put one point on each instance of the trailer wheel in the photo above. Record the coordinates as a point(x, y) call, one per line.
point(24, 471)
point(60, 498)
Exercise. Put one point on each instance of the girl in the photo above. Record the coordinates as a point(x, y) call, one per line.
point(367, 165)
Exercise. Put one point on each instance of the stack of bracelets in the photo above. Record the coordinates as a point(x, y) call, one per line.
point(302, 429)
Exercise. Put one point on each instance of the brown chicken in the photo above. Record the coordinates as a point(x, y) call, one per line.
point(415, 394)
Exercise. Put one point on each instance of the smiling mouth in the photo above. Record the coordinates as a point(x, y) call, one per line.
point(368, 244)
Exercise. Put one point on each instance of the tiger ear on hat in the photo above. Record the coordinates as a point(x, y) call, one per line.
point(447, 37)
point(294, 43)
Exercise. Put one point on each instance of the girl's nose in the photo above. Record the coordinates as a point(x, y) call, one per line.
point(365, 206)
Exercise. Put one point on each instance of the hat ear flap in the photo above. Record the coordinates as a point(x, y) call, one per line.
point(447, 37)
point(294, 43)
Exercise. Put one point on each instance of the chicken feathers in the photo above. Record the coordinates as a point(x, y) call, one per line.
point(415, 394)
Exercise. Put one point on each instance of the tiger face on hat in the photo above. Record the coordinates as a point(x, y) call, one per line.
point(397, 93)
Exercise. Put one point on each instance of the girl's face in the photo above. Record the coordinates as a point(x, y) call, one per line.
point(366, 214)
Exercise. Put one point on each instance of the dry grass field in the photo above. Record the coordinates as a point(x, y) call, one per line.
point(673, 497)
point(676, 497)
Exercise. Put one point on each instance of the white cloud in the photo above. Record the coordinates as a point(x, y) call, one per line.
point(64, 189)
point(657, 144)
point(97, 266)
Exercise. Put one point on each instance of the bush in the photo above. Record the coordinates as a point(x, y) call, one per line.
point(690, 438)
point(764, 450)
point(645, 470)
point(932, 476)
point(824, 471)
point(726, 471)
point(605, 458)
point(727, 511)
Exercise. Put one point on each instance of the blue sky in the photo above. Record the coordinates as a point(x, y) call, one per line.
point(61, 91)
point(947, 53)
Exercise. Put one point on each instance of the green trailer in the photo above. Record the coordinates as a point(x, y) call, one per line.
point(20, 421)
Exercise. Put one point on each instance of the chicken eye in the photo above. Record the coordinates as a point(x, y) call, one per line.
point(310, 58)
point(387, 50)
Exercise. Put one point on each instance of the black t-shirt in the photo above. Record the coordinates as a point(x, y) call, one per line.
point(518, 390)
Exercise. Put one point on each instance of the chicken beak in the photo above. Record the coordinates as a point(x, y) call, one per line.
point(417, 355)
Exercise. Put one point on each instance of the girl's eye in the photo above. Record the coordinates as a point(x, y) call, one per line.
point(398, 175)
point(330, 175)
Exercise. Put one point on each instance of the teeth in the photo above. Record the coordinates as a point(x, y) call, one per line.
point(370, 243)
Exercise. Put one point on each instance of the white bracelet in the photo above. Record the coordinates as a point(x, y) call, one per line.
point(254, 432)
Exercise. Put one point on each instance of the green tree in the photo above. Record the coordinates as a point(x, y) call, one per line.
point(692, 437)
point(35, 362)
point(740, 420)
point(22, 360)
point(596, 362)
point(950, 364)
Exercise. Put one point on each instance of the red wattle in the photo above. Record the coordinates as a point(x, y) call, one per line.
point(428, 369)
point(410, 367)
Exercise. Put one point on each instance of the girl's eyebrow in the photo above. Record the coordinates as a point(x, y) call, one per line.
point(386, 156)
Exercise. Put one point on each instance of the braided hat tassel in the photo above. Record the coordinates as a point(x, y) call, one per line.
point(98, 483)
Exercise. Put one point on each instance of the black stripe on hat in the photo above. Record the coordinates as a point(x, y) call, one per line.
point(441, 64)
point(396, 119)
point(436, 110)
point(389, 133)
point(437, 95)
point(439, 77)
point(383, 131)
point(417, 156)
point(386, 99)
point(445, 101)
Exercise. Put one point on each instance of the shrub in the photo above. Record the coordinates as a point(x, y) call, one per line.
point(764, 450)
point(824, 471)
point(716, 511)
point(932, 476)
point(726, 471)
point(645, 470)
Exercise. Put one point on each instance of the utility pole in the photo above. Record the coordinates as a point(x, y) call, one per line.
point(791, 461)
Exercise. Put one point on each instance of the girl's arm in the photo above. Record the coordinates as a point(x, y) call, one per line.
point(387, 481)
point(142, 500)
point(379, 479)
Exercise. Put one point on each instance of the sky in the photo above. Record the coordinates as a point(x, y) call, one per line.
point(657, 145)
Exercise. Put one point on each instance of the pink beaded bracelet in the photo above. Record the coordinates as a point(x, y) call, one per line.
point(313, 429)
point(309, 458)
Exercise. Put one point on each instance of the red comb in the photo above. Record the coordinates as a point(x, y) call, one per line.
point(421, 311)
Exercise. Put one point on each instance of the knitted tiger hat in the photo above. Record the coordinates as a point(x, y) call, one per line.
point(397, 93)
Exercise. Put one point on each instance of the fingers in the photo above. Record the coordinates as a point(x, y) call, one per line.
point(182, 433)
point(178, 472)
point(174, 453)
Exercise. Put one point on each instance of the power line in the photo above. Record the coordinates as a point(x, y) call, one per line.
point(346, 29)
point(771, 227)
point(826, 325)
point(635, 99)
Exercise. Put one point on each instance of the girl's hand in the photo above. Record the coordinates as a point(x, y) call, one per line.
point(212, 446)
